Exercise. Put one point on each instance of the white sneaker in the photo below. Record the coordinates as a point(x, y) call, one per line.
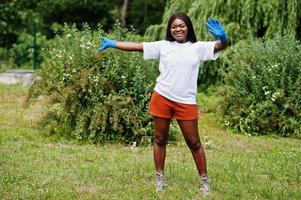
point(205, 186)
point(159, 181)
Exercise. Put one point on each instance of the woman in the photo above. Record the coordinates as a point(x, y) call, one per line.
point(175, 92)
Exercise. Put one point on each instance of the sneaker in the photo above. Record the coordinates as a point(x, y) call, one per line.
point(205, 186)
point(159, 180)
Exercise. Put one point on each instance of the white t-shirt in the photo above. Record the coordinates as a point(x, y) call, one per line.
point(179, 67)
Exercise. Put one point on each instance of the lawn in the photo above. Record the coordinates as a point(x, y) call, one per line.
point(34, 165)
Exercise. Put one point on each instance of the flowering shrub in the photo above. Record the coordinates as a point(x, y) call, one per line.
point(95, 96)
point(262, 93)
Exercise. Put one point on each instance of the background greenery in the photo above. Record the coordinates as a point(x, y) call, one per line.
point(262, 88)
point(24, 18)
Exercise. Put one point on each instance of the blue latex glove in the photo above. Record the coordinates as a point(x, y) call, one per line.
point(106, 43)
point(216, 29)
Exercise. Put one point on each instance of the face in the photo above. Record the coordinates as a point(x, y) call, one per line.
point(179, 30)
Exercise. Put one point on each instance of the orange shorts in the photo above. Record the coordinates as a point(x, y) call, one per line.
point(160, 106)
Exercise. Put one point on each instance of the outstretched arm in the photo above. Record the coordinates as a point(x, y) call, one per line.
point(125, 46)
point(216, 29)
point(129, 46)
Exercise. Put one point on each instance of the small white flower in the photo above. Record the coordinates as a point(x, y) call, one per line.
point(134, 146)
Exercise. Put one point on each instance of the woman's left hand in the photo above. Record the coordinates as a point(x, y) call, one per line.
point(216, 29)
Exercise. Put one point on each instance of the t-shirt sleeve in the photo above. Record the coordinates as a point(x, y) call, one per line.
point(207, 51)
point(151, 50)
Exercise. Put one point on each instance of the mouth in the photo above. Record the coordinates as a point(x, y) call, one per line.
point(179, 35)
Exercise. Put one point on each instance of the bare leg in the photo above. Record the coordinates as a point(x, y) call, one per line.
point(189, 130)
point(160, 141)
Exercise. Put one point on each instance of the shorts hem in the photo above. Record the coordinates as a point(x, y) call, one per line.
point(169, 117)
point(186, 119)
point(159, 115)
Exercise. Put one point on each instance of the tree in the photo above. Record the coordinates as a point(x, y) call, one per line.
point(141, 14)
point(124, 12)
point(15, 17)
point(241, 18)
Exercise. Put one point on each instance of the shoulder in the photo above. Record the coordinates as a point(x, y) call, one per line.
point(205, 43)
point(158, 42)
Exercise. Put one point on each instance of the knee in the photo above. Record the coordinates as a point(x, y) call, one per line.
point(160, 141)
point(194, 146)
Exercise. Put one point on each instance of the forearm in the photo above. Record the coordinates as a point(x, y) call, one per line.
point(129, 46)
point(220, 45)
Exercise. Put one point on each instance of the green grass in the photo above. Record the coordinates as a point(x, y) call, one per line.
point(36, 166)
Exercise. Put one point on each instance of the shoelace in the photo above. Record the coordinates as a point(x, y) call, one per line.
point(160, 176)
point(160, 180)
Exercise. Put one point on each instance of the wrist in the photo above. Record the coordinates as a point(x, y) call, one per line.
point(113, 43)
point(223, 38)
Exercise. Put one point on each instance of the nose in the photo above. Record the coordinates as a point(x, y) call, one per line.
point(178, 28)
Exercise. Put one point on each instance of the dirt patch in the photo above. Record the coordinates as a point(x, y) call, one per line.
point(92, 189)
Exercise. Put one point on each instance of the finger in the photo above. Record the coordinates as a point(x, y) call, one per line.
point(214, 23)
point(212, 31)
point(209, 20)
point(102, 47)
point(209, 24)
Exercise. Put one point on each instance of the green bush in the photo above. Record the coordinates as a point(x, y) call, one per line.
point(95, 96)
point(5, 61)
point(262, 93)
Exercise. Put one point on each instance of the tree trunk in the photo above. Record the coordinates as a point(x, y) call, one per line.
point(145, 13)
point(124, 12)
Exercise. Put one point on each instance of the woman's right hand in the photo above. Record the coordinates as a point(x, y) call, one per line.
point(106, 43)
point(216, 29)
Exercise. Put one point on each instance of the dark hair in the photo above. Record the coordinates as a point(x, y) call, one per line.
point(190, 35)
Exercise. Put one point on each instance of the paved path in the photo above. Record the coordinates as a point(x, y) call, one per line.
point(24, 77)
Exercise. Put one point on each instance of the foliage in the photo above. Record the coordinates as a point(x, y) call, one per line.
point(22, 52)
point(25, 17)
point(4, 61)
point(262, 89)
point(76, 12)
point(208, 102)
point(141, 14)
point(18, 16)
point(14, 19)
point(242, 19)
point(95, 96)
